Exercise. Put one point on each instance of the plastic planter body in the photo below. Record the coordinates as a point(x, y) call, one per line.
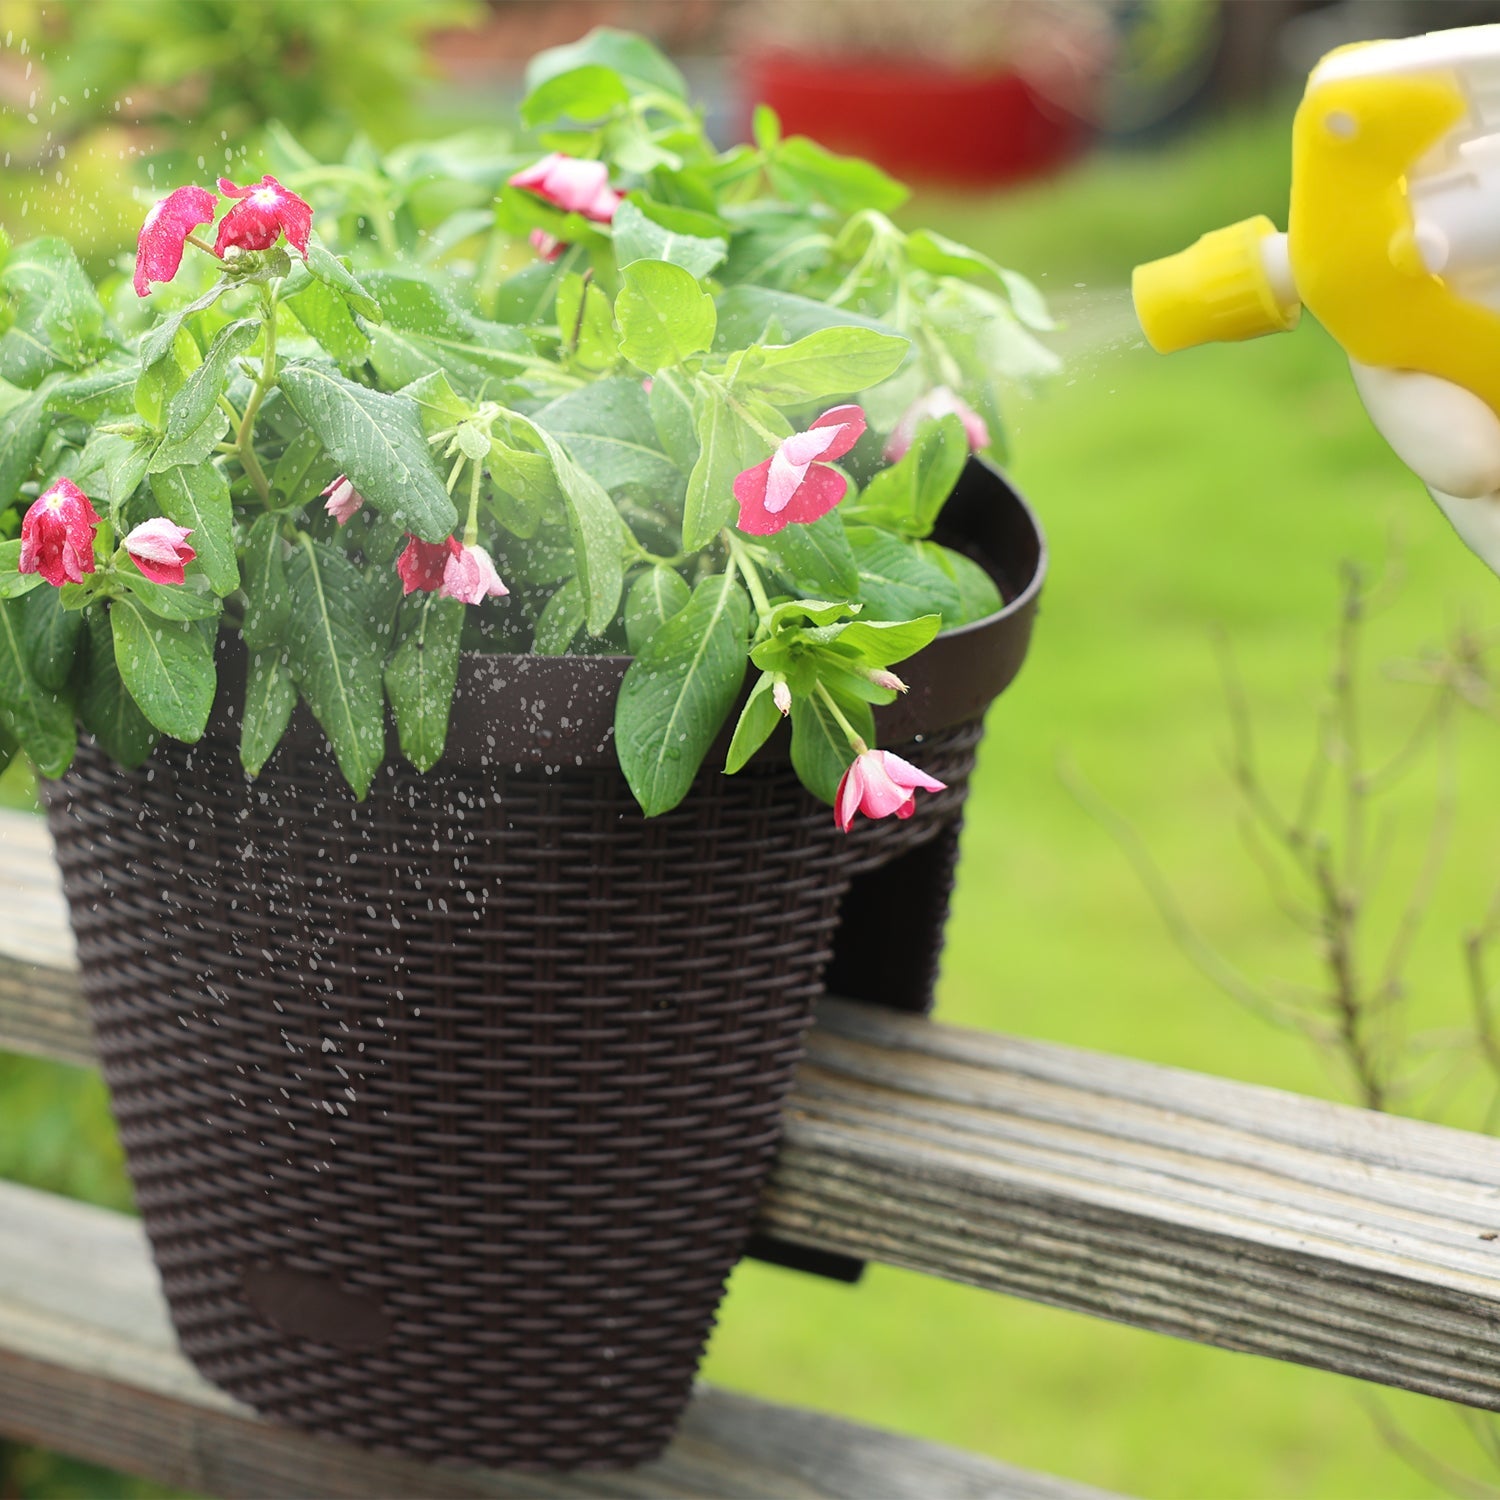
point(448, 1112)
point(963, 129)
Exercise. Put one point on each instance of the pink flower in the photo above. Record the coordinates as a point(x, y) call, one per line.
point(159, 549)
point(548, 246)
point(421, 565)
point(158, 251)
point(344, 501)
point(57, 535)
point(576, 186)
point(266, 211)
point(792, 485)
point(781, 696)
point(877, 785)
point(470, 577)
point(940, 401)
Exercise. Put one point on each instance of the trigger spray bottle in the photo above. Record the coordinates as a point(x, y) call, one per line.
point(1393, 244)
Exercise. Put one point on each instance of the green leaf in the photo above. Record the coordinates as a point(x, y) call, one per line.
point(23, 429)
point(302, 473)
point(586, 322)
point(801, 169)
point(50, 635)
point(331, 271)
point(422, 674)
point(12, 582)
point(38, 718)
point(747, 312)
point(978, 596)
point(587, 93)
point(655, 596)
point(608, 429)
point(107, 390)
point(120, 462)
point(336, 656)
point(677, 692)
point(671, 404)
point(192, 451)
point(821, 751)
point(326, 316)
point(424, 324)
point(757, 723)
point(438, 403)
point(560, 621)
point(896, 582)
point(727, 445)
point(157, 342)
point(816, 560)
point(55, 320)
point(105, 706)
point(631, 56)
point(171, 601)
point(189, 409)
point(270, 697)
point(908, 496)
point(881, 643)
point(937, 253)
point(664, 315)
point(198, 498)
point(594, 526)
point(167, 666)
point(639, 237)
point(377, 440)
point(830, 362)
point(765, 127)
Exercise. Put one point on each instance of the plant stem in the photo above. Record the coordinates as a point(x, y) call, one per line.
point(245, 438)
point(750, 573)
point(471, 526)
point(855, 742)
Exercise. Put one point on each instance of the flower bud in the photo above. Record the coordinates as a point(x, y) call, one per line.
point(159, 549)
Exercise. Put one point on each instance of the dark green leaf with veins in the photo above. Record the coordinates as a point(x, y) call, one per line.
point(677, 692)
point(422, 673)
point(198, 498)
point(336, 656)
point(168, 667)
point(40, 719)
point(270, 697)
point(377, 440)
point(107, 710)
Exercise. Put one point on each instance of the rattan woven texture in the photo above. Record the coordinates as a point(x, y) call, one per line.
point(448, 1112)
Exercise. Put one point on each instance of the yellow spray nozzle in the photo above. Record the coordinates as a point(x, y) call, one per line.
point(1218, 290)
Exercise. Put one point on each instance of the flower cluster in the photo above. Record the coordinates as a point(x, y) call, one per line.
point(263, 213)
point(710, 427)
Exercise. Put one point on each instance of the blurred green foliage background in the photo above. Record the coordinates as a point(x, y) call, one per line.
point(1216, 490)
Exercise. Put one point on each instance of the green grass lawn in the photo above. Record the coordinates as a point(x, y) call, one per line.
point(1215, 490)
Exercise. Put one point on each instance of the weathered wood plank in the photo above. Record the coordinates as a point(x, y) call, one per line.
point(88, 1366)
point(1211, 1210)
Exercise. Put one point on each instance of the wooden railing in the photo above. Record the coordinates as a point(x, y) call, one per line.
point(1222, 1212)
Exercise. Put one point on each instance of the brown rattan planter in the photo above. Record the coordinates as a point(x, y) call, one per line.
point(448, 1112)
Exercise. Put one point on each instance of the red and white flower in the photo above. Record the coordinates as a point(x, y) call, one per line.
point(421, 565)
point(159, 549)
point(265, 210)
point(343, 501)
point(57, 534)
point(795, 484)
point(940, 401)
point(470, 577)
point(879, 784)
point(571, 184)
point(158, 251)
